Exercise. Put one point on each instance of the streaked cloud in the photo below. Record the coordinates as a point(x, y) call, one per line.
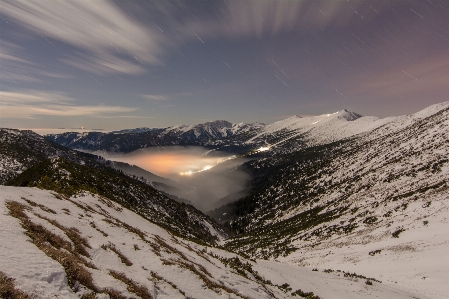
point(14, 68)
point(256, 18)
point(110, 41)
point(154, 97)
point(238, 60)
point(34, 104)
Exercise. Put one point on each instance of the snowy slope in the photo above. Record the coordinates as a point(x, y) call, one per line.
point(385, 192)
point(121, 254)
point(417, 260)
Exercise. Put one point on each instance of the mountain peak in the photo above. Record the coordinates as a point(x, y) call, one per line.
point(348, 115)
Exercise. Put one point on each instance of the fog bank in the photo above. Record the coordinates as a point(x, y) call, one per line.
point(201, 175)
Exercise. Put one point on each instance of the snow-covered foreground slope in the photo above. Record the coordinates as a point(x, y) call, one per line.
point(60, 247)
point(416, 260)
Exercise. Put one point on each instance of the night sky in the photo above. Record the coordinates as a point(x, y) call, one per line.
point(126, 64)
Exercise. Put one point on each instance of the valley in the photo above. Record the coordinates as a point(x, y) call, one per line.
point(196, 174)
point(333, 206)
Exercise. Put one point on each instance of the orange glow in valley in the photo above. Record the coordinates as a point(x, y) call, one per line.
point(171, 163)
point(166, 164)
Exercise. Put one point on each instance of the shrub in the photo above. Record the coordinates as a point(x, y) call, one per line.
point(285, 287)
point(374, 252)
point(396, 233)
point(307, 295)
point(122, 257)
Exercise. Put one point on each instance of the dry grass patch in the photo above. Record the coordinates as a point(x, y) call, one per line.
point(92, 224)
point(41, 206)
point(122, 257)
point(89, 296)
point(86, 208)
point(73, 234)
point(168, 248)
point(51, 245)
point(201, 272)
point(208, 282)
point(114, 294)
point(103, 211)
point(109, 203)
point(132, 286)
point(167, 262)
point(158, 277)
point(109, 221)
point(8, 289)
point(59, 196)
point(132, 229)
point(60, 250)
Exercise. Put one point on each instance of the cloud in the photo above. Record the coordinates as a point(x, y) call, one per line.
point(32, 104)
point(153, 97)
point(7, 53)
point(103, 64)
point(15, 68)
point(110, 41)
point(256, 18)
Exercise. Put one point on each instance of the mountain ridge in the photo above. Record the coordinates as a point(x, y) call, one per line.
point(282, 136)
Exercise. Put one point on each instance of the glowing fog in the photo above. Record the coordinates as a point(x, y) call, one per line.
point(205, 176)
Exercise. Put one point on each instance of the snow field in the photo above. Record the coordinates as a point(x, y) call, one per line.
point(165, 271)
point(417, 260)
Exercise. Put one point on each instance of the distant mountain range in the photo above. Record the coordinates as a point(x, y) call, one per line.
point(359, 199)
point(129, 140)
point(283, 136)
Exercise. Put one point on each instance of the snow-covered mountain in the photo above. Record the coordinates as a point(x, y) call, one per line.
point(377, 202)
point(298, 132)
point(86, 246)
point(217, 129)
point(130, 140)
point(214, 130)
point(284, 136)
